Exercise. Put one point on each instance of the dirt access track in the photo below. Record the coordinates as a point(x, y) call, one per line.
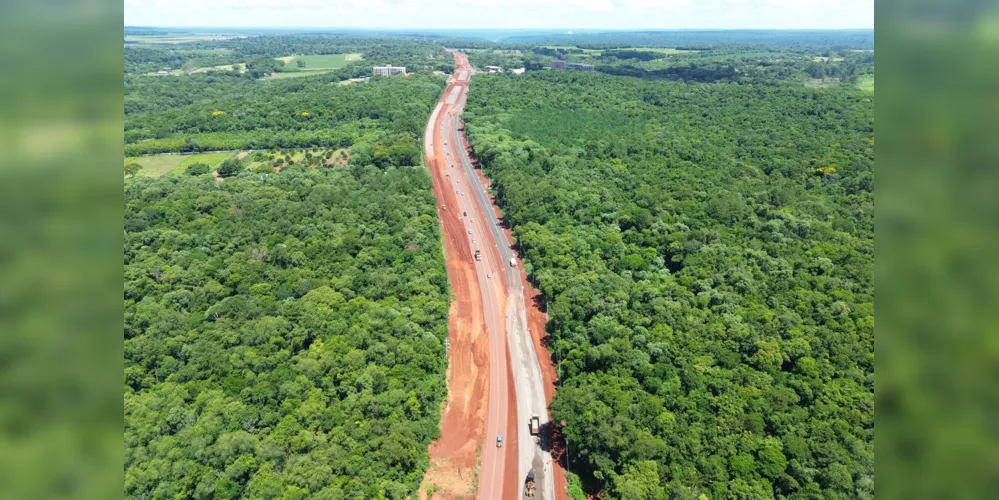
point(500, 372)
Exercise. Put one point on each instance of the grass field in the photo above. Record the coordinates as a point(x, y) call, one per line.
point(328, 61)
point(159, 165)
point(866, 83)
point(314, 65)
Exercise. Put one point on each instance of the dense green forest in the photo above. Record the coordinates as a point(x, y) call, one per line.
point(707, 253)
point(207, 112)
point(284, 331)
point(284, 334)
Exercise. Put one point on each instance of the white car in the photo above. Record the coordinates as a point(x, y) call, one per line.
point(489, 275)
point(469, 231)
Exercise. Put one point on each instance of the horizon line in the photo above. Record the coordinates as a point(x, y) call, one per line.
point(485, 29)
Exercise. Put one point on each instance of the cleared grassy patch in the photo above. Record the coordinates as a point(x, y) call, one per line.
point(312, 65)
point(241, 67)
point(866, 83)
point(172, 164)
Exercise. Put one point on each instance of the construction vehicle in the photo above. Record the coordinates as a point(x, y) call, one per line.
point(478, 255)
point(535, 425)
point(529, 484)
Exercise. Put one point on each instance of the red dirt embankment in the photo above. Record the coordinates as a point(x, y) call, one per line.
point(454, 457)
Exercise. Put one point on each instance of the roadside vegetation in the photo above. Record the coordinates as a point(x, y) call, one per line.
point(707, 255)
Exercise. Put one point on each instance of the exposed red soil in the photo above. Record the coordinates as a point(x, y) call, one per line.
point(454, 456)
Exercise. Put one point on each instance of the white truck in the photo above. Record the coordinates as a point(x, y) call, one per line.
point(513, 262)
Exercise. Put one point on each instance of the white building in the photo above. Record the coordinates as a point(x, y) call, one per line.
point(494, 69)
point(388, 70)
point(517, 71)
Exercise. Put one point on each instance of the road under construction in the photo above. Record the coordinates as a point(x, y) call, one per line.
point(490, 317)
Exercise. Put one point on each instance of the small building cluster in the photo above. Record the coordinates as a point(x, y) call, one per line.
point(571, 66)
point(388, 70)
point(498, 69)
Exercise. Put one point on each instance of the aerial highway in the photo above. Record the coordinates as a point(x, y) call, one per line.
point(516, 388)
point(459, 211)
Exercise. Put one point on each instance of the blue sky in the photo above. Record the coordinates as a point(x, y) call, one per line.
point(506, 14)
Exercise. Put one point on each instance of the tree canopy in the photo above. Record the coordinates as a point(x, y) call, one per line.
point(283, 336)
point(284, 331)
point(707, 255)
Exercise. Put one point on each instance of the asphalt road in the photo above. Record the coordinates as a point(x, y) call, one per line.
point(528, 382)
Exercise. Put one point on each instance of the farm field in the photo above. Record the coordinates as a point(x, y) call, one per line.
point(160, 165)
point(241, 67)
point(296, 74)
